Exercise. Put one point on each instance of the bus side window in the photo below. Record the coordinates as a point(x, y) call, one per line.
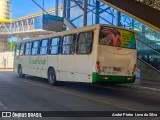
point(68, 44)
point(35, 47)
point(21, 49)
point(44, 47)
point(28, 48)
point(55, 46)
point(85, 41)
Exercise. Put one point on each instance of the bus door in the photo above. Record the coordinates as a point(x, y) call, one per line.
point(26, 58)
point(16, 56)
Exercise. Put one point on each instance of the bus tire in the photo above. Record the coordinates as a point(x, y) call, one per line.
point(20, 73)
point(51, 77)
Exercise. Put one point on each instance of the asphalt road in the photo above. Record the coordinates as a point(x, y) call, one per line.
point(34, 94)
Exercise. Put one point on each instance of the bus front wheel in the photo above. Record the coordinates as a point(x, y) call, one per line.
point(51, 77)
point(20, 73)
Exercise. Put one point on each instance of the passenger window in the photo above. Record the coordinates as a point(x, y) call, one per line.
point(44, 47)
point(68, 44)
point(55, 45)
point(21, 49)
point(28, 48)
point(35, 47)
point(85, 41)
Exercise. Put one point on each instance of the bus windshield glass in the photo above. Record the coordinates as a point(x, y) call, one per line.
point(117, 37)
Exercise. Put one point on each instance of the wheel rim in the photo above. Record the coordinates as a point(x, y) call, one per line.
point(20, 71)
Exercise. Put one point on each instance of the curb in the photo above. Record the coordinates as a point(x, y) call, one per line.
point(4, 70)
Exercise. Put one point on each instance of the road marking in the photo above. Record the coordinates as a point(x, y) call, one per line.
point(3, 106)
point(105, 87)
point(92, 99)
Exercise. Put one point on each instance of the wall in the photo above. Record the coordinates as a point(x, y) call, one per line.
point(4, 9)
point(6, 60)
point(147, 72)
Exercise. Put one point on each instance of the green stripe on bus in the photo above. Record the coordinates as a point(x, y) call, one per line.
point(112, 79)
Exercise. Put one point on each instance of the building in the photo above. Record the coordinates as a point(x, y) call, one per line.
point(4, 14)
point(4, 9)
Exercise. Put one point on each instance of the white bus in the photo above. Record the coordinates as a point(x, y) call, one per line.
point(92, 54)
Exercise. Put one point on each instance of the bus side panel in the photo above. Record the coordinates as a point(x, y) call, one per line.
point(26, 65)
point(53, 62)
point(23, 61)
point(66, 67)
point(83, 68)
point(95, 50)
point(34, 66)
point(85, 64)
point(15, 64)
point(43, 65)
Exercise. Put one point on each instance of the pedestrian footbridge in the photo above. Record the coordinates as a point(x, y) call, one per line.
point(32, 25)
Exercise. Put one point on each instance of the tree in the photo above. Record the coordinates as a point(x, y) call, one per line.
point(11, 45)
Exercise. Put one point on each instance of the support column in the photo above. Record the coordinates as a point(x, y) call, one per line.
point(64, 8)
point(118, 18)
point(132, 24)
point(43, 6)
point(56, 8)
point(143, 32)
point(85, 13)
point(97, 11)
point(68, 9)
point(4, 44)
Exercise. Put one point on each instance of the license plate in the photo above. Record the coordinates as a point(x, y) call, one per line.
point(117, 69)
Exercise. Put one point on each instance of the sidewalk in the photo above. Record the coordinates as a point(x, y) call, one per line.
point(150, 86)
point(6, 69)
point(150, 83)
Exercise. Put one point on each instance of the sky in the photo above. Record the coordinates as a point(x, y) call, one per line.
point(22, 8)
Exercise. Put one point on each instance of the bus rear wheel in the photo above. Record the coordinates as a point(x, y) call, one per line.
point(51, 77)
point(20, 73)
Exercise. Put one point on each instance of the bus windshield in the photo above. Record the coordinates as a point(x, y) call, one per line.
point(117, 37)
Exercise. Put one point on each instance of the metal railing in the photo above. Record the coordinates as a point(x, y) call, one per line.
point(27, 23)
point(149, 55)
point(152, 44)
